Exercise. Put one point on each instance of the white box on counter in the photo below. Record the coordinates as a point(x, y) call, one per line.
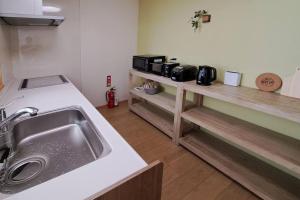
point(232, 78)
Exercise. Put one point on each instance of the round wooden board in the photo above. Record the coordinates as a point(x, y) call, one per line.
point(268, 82)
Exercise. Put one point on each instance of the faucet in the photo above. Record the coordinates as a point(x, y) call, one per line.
point(4, 127)
point(6, 121)
point(2, 107)
point(4, 136)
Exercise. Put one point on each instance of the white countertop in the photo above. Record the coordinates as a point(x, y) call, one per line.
point(83, 182)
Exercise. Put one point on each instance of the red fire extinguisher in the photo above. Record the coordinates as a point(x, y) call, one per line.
point(110, 98)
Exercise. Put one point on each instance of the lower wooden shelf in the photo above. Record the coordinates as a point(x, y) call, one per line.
point(159, 118)
point(280, 150)
point(264, 180)
point(164, 100)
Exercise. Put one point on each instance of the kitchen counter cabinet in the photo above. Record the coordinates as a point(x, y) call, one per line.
point(90, 179)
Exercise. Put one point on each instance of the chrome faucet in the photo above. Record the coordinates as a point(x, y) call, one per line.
point(2, 108)
point(6, 121)
point(4, 136)
point(4, 132)
point(2, 114)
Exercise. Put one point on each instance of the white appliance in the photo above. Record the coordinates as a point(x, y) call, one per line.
point(22, 7)
point(232, 78)
point(26, 13)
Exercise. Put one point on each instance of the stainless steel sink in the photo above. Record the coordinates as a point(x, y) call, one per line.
point(49, 145)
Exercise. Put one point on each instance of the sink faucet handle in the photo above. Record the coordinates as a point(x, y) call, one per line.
point(32, 111)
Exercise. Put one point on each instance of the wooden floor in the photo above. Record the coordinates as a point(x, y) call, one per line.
point(186, 177)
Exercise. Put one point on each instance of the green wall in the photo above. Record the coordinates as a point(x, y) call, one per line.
point(249, 36)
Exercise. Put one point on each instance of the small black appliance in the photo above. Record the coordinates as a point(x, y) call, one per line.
point(144, 62)
point(206, 75)
point(167, 69)
point(158, 68)
point(184, 73)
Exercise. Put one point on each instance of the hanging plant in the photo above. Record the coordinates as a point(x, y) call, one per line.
point(199, 17)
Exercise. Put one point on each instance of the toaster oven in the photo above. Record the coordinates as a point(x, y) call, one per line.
point(157, 68)
point(184, 73)
point(167, 69)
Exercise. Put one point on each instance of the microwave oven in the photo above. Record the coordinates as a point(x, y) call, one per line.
point(144, 62)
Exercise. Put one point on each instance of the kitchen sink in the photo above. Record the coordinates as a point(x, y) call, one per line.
point(49, 145)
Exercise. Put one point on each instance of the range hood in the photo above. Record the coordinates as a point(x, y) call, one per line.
point(28, 13)
point(31, 20)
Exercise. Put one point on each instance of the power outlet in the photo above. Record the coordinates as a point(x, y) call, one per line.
point(108, 81)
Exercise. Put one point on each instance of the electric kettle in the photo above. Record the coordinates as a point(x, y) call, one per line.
point(206, 75)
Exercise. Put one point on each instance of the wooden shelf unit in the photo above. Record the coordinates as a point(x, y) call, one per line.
point(257, 176)
point(265, 162)
point(164, 100)
point(161, 100)
point(154, 113)
point(160, 79)
point(267, 102)
point(275, 148)
point(160, 119)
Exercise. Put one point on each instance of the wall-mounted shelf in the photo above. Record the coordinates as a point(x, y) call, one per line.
point(265, 162)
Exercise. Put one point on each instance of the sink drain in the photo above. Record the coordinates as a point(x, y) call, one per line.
point(25, 170)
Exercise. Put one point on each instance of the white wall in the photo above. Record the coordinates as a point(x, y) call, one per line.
point(98, 38)
point(5, 56)
point(40, 51)
point(108, 41)
point(249, 36)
